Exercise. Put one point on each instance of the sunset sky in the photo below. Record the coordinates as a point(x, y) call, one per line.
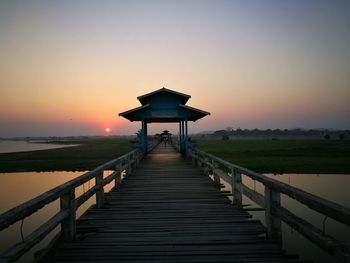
point(69, 67)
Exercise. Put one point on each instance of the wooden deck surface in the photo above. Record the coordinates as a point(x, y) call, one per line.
point(167, 210)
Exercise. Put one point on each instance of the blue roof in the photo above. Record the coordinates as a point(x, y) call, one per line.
point(164, 105)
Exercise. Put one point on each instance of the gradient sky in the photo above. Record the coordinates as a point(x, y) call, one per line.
point(69, 67)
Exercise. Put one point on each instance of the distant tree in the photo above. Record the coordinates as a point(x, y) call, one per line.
point(239, 132)
point(229, 129)
point(225, 138)
point(341, 136)
point(220, 132)
point(327, 137)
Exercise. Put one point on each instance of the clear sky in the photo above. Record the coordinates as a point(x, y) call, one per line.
point(69, 67)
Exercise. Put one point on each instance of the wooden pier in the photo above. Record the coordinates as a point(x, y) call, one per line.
point(167, 208)
point(168, 211)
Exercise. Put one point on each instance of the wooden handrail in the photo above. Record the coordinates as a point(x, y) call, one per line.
point(319, 204)
point(270, 201)
point(69, 204)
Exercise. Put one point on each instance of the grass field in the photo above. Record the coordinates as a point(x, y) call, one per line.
point(86, 156)
point(282, 156)
point(268, 156)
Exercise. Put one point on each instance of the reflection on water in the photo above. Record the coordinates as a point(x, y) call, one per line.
point(16, 188)
point(24, 146)
point(331, 187)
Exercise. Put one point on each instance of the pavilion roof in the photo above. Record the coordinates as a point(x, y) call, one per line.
point(183, 97)
point(164, 105)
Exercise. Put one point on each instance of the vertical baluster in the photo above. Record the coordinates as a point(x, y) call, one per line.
point(200, 161)
point(215, 176)
point(193, 157)
point(100, 191)
point(236, 187)
point(123, 168)
point(129, 164)
point(129, 159)
point(68, 225)
point(134, 158)
point(118, 176)
point(204, 165)
point(272, 199)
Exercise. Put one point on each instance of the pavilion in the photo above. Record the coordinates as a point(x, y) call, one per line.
point(164, 105)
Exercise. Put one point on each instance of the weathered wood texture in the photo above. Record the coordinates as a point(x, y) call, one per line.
point(167, 210)
point(68, 203)
point(270, 202)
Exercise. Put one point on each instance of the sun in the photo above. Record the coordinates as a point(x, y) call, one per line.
point(108, 129)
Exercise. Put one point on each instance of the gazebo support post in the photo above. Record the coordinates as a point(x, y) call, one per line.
point(144, 136)
point(186, 137)
point(183, 142)
point(180, 136)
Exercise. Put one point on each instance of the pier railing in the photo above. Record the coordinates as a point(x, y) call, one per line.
point(69, 203)
point(270, 202)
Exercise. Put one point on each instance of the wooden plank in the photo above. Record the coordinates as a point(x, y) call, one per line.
point(167, 211)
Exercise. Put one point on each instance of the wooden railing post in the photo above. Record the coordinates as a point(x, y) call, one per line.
point(204, 165)
point(68, 225)
point(215, 176)
point(118, 176)
point(236, 187)
point(193, 157)
point(273, 224)
point(200, 160)
point(134, 159)
point(100, 192)
point(128, 165)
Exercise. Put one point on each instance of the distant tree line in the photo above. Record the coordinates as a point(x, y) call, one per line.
point(278, 133)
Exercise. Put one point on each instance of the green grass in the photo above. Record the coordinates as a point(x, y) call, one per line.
point(88, 155)
point(284, 156)
point(268, 156)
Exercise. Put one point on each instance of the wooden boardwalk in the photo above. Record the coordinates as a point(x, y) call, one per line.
point(168, 211)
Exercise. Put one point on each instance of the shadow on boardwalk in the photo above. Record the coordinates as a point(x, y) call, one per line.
point(168, 211)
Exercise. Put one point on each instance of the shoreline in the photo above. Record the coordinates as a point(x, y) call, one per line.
point(86, 155)
point(31, 146)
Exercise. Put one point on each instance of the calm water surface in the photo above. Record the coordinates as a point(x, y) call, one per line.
point(16, 188)
point(331, 187)
point(24, 146)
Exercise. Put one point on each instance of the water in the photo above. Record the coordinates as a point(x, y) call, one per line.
point(23, 146)
point(16, 188)
point(329, 186)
